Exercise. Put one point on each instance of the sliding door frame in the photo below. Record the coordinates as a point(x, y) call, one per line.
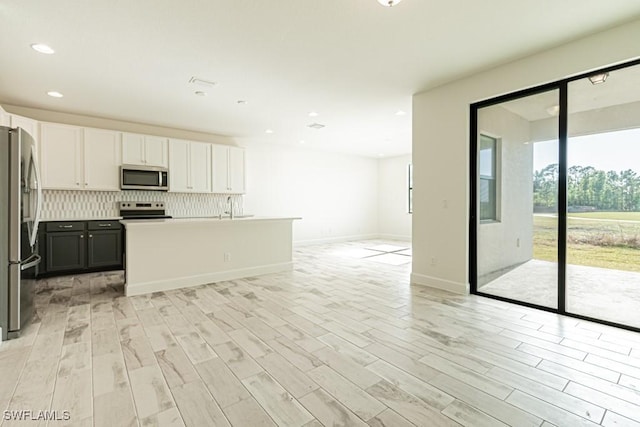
point(562, 87)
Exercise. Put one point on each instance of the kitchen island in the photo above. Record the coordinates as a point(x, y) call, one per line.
point(164, 254)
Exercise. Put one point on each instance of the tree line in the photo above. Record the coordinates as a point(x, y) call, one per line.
point(588, 187)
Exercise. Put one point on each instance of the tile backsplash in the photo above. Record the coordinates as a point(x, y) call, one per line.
point(68, 204)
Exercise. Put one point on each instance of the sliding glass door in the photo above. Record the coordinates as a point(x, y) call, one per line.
point(603, 197)
point(555, 219)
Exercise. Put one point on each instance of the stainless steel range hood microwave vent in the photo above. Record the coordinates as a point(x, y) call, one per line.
point(135, 177)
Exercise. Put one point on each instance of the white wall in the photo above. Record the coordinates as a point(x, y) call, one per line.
point(394, 220)
point(441, 147)
point(335, 194)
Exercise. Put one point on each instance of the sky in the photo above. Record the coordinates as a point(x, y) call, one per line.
point(605, 151)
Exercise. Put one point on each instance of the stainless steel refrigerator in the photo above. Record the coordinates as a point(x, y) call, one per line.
point(20, 207)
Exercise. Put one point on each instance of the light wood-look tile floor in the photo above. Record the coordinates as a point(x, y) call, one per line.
point(339, 341)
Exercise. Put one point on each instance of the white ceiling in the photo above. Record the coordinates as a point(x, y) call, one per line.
point(353, 61)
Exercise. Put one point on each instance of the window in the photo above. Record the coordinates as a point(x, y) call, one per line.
point(410, 185)
point(487, 166)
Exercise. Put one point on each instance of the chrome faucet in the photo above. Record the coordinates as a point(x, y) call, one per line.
point(230, 212)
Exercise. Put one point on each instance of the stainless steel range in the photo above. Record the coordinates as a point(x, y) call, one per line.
point(143, 210)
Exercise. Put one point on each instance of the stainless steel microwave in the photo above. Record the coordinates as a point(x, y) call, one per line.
point(134, 177)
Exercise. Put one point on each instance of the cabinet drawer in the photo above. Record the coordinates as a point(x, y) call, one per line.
point(104, 225)
point(65, 226)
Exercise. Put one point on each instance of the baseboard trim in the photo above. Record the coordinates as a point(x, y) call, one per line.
point(442, 284)
point(334, 239)
point(203, 279)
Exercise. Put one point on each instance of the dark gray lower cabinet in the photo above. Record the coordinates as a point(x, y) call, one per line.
point(65, 251)
point(104, 248)
point(80, 246)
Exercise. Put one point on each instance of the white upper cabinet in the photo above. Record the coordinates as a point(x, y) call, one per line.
point(78, 158)
point(156, 151)
point(236, 170)
point(62, 156)
point(201, 167)
point(179, 175)
point(133, 149)
point(220, 165)
point(75, 158)
point(228, 170)
point(144, 150)
point(102, 159)
point(190, 166)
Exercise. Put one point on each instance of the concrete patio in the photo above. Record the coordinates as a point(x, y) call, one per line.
point(601, 293)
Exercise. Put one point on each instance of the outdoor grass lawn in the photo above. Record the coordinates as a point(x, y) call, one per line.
point(625, 216)
point(586, 240)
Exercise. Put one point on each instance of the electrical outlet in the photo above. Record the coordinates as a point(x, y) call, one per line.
point(434, 261)
point(227, 257)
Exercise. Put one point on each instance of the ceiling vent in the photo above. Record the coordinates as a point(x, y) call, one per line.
point(315, 126)
point(201, 82)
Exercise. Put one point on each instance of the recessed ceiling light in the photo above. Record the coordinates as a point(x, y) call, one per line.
point(42, 48)
point(313, 114)
point(316, 126)
point(268, 131)
point(302, 141)
point(241, 101)
point(380, 155)
point(400, 113)
point(55, 94)
point(598, 78)
point(389, 3)
point(200, 93)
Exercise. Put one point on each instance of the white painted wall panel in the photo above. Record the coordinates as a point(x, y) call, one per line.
point(335, 194)
point(394, 220)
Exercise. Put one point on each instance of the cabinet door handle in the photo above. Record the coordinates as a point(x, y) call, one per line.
point(90, 235)
point(65, 226)
point(82, 236)
point(104, 225)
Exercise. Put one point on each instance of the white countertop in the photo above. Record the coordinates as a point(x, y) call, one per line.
point(204, 220)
